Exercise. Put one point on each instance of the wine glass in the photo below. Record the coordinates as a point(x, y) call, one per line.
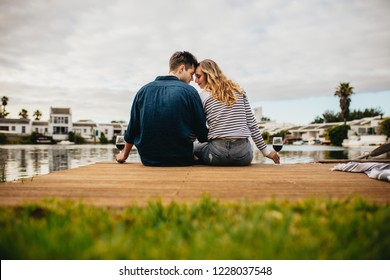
point(120, 142)
point(277, 143)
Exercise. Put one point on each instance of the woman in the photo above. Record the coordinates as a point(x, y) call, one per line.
point(230, 120)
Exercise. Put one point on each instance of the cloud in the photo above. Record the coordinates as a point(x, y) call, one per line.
point(95, 53)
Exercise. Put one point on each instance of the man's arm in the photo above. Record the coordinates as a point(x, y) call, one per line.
point(123, 155)
point(201, 129)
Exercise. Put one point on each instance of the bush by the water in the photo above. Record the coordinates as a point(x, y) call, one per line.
point(338, 133)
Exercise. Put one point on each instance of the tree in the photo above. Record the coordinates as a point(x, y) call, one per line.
point(318, 119)
point(265, 119)
point(37, 114)
point(23, 114)
point(384, 127)
point(330, 116)
point(368, 112)
point(4, 102)
point(266, 136)
point(344, 91)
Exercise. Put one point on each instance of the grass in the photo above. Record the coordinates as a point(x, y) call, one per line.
point(208, 229)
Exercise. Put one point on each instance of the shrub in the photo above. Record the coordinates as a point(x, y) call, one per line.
point(3, 138)
point(76, 138)
point(103, 139)
point(338, 133)
point(384, 127)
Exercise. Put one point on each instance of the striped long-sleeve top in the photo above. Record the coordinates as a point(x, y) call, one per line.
point(236, 121)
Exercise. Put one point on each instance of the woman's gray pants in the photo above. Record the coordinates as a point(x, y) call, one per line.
point(224, 152)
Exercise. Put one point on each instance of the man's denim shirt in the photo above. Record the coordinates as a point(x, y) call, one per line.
point(163, 114)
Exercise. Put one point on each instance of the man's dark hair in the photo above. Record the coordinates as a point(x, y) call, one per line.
point(179, 58)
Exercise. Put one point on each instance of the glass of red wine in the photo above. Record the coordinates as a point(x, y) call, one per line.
point(277, 143)
point(120, 142)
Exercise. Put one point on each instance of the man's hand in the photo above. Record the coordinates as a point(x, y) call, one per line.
point(123, 155)
point(120, 158)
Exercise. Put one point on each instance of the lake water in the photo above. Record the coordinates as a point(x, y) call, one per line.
point(24, 161)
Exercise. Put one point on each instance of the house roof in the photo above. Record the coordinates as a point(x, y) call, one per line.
point(85, 123)
point(14, 121)
point(40, 123)
point(60, 111)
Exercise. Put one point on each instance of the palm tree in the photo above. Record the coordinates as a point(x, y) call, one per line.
point(344, 91)
point(37, 114)
point(4, 102)
point(23, 114)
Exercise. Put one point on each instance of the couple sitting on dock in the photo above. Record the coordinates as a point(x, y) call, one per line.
point(168, 119)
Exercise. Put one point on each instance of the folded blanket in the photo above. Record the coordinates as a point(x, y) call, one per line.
point(375, 170)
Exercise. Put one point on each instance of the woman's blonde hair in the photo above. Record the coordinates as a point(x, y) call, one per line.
point(218, 85)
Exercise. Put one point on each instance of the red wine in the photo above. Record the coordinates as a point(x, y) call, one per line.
point(120, 146)
point(277, 147)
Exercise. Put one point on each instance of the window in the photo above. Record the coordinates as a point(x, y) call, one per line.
point(362, 131)
point(60, 130)
point(23, 129)
point(64, 120)
point(13, 128)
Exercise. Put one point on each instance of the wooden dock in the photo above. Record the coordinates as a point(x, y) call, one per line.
point(117, 185)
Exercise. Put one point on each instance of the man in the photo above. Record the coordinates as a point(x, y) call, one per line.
point(164, 114)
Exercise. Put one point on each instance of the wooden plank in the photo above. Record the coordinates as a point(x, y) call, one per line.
point(117, 185)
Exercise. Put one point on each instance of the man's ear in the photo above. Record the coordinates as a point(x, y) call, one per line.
point(181, 69)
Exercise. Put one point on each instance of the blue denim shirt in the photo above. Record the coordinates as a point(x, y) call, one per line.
point(163, 114)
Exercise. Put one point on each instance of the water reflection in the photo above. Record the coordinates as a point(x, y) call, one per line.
point(312, 153)
point(60, 160)
point(22, 161)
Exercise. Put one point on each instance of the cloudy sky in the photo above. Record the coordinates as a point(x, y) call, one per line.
point(289, 56)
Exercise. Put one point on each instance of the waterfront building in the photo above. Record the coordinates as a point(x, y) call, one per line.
point(86, 129)
point(362, 132)
point(40, 127)
point(258, 113)
point(15, 126)
point(60, 123)
point(59, 126)
point(107, 129)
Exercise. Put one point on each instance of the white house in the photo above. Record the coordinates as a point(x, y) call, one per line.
point(40, 127)
point(15, 126)
point(59, 126)
point(274, 127)
point(364, 132)
point(60, 123)
point(86, 129)
point(258, 113)
point(107, 129)
point(311, 132)
point(119, 128)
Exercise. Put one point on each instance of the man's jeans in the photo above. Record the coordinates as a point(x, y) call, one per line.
point(225, 152)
